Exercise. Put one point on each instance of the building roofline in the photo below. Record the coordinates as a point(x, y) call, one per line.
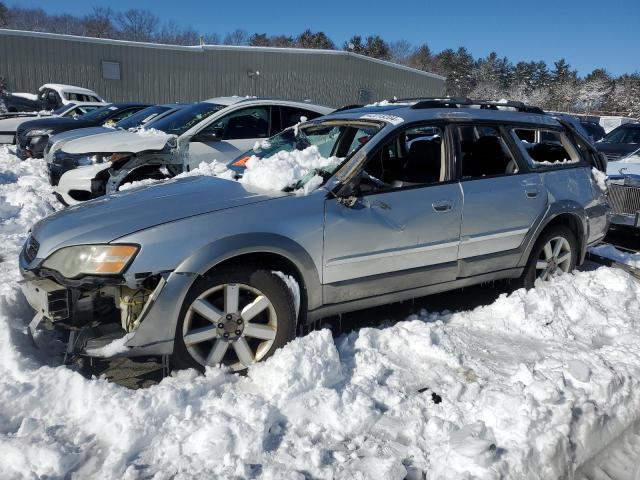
point(200, 48)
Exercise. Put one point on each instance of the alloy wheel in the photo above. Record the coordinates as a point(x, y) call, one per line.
point(554, 259)
point(233, 324)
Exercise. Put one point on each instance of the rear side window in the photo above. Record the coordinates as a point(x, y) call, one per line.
point(484, 152)
point(247, 123)
point(545, 147)
point(291, 116)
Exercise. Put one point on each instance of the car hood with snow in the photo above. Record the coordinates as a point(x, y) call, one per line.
point(116, 141)
point(106, 219)
point(629, 165)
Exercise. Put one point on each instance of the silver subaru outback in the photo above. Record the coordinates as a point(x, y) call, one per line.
point(426, 196)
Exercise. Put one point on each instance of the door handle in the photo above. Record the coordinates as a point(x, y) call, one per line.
point(532, 193)
point(442, 205)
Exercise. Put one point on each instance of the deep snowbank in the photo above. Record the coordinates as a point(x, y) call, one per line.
point(531, 386)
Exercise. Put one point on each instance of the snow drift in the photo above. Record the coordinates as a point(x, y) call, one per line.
point(530, 386)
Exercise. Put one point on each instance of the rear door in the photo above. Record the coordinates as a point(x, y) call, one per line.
point(502, 199)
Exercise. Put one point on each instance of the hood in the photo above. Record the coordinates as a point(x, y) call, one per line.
point(60, 139)
point(117, 141)
point(106, 219)
point(627, 166)
point(57, 124)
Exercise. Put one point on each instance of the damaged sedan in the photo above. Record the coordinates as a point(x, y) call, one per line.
point(359, 208)
point(217, 129)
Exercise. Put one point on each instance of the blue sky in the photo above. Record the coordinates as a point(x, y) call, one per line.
point(588, 33)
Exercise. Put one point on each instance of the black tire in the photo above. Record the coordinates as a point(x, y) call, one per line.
point(270, 285)
point(530, 273)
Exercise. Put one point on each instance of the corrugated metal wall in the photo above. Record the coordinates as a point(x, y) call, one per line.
point(154, 73)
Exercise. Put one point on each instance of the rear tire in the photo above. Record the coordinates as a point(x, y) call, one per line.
point(235, 316)
point(555, 252)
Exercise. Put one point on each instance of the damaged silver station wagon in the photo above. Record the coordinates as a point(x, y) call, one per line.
point(428, 195)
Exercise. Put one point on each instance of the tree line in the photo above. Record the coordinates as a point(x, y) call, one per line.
point(552, 87)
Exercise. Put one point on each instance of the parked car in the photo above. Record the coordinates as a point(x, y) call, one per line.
point(217, 129)
point(623, 187)
point(9, 122)
point(416, 199)
point(620, 141)
point(50, 96)
point(594, 129)
point(32, 136)
point(74, 189)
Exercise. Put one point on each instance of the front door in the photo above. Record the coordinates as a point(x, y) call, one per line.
point(402, 231)
point(238, 132)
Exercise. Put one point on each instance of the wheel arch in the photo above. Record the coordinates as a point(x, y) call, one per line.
point(273, 250)
point(570, 215)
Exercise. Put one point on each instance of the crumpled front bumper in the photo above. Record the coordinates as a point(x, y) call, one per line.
point(53, 302)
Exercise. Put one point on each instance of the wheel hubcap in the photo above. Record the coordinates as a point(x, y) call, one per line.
point(234, 324)
point(554, 259)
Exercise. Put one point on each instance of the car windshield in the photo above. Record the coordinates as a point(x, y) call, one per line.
point(623, 134)
point(99, 114)
point(179, 122)
point(142, 117)
point(315, 149)
point(62, 109)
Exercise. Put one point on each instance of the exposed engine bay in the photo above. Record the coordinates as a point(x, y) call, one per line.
point(90, 317)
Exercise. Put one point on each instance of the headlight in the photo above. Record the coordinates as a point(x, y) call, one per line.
point(101, 158)
point(72, 262)
point(39, 133)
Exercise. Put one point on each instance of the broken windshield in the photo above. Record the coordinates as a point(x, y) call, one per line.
point(302, 156)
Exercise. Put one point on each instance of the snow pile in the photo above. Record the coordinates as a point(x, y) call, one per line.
point(287, 168)
point(600, 178)
point(212, 169)
point(150, 132)
point(612, 253)
point(274, 173)
point(531, 386)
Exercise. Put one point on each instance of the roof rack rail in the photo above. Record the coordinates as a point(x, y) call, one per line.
point(347, 107)
point(458, 102)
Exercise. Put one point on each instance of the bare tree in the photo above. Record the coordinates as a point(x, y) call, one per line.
point(136, 24)
point(237, 37)
point(99, 23)
point(400, 52)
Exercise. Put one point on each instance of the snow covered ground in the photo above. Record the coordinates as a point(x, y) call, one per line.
point(531, 386)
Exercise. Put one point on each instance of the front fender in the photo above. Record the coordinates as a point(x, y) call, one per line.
point(214, 253)
point(157, 329)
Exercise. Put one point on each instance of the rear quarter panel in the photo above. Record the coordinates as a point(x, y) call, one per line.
point(573, 190)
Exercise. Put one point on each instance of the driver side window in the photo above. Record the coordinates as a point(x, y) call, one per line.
point(244, 124)
point(413, 157)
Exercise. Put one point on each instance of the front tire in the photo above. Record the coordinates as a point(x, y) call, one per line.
point(236, 316)
point(555, 252)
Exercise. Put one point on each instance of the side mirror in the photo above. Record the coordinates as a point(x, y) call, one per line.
point(208, 135)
